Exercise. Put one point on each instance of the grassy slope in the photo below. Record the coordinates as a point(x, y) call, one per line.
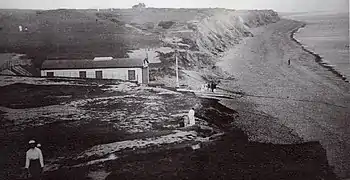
point(88, 33)
point(63, 33)
point(78, 33)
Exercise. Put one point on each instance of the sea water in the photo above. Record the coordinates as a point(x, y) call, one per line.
point(327, 34)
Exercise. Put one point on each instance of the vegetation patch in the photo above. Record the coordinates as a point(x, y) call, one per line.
point(166, 24)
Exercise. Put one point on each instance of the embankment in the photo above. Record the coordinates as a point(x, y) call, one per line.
point(203, 41)
point(222, 31)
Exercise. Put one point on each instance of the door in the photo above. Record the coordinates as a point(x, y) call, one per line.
point(98, 74)
point(145, 75)
point(82, 74)
point(49, 74)
point(131, 75)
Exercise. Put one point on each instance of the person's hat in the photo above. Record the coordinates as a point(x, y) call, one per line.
point(31, 142)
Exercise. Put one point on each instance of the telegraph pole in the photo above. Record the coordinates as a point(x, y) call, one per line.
point(175, 42)
point(176, 64)
point(177, 69)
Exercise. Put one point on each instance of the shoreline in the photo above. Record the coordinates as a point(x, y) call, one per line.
point(303, 81)
point(318, 59)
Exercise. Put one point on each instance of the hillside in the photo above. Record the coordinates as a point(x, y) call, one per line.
point(203, 34)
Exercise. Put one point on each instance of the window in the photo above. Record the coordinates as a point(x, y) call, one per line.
point(49, 74)
point(98, 74)
point(131, 75)
point(82, 74)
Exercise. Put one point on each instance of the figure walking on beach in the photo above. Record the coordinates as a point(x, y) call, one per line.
point(288, 61)
point(34, 161)
point(212, 86)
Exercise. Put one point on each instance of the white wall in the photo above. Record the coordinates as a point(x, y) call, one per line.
point(107, 73)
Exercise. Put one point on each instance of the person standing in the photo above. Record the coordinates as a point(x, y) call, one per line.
point(212, 86)
point(191, 118)
point(34, 161)
point(288, 61)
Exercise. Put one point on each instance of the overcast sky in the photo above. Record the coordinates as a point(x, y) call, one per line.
point(278, 5)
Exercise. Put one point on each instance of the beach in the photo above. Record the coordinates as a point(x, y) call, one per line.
point(326, 34)
point(303, 96)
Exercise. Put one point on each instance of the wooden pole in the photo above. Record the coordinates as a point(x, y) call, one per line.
point(177, 69)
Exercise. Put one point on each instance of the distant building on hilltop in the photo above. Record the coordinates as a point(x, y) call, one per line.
point(128, 69)
point(139, 6)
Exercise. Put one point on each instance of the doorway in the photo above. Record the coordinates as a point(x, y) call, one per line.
point(82, 74)
point(131, 75)
point(98, 74)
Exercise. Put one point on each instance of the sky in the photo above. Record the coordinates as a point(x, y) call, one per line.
point(277, 5)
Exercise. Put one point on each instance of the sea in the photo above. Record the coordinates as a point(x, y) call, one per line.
point(326, 34)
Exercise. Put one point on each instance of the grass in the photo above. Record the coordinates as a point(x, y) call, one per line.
point(30, 96)
point(62, 34)
point(80, 33)
point(75, 117)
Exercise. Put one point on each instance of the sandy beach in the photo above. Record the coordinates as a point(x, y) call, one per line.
point(303, 96)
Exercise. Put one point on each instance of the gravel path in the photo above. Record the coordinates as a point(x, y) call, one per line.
point(302, 96)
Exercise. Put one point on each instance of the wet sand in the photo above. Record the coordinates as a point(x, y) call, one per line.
point(305, 97)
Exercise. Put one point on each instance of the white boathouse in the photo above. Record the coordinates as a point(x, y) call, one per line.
point(128, 69)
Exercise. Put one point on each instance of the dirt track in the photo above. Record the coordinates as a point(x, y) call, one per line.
point(303, 96)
